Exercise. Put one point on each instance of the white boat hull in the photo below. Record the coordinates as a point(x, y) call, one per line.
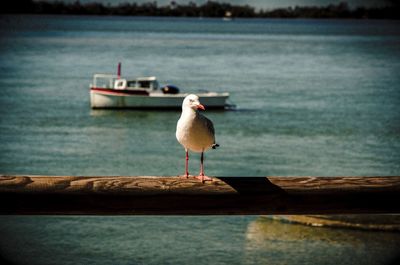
point(101, 100)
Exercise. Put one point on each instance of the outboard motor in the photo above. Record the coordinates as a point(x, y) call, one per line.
point(170, 89)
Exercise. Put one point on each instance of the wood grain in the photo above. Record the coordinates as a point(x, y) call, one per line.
point(152, 195)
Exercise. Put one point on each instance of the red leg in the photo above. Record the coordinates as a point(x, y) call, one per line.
point(187, 164)
point(202, 177)
point(202, 164)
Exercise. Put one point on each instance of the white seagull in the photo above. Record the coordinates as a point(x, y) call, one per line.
point(195, 132)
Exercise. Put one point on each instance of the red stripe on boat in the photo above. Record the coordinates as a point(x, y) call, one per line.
point(119, 92)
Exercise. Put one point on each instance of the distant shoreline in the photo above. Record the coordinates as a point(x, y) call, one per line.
point(210, 9)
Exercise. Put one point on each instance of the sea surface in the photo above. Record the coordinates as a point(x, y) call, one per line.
point(313, 97)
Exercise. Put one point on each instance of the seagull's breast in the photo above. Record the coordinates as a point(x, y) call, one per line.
point(193, 132)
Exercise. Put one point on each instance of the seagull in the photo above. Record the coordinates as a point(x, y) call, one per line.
point(195, 132)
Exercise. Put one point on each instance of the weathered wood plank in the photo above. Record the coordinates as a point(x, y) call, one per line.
point(174, 195)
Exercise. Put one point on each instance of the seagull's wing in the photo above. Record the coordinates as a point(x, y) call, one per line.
point(209, 125)
point(210, 128)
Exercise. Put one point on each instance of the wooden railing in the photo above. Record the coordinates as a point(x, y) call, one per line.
point(142, 195)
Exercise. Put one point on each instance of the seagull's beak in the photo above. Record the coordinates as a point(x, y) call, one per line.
point(201, 107)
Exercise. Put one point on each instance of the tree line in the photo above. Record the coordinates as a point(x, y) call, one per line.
point(208, 9)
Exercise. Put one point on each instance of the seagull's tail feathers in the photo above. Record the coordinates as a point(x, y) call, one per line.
point(214, 146)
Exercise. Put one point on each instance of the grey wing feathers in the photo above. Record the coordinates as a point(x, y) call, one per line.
point(210, 127)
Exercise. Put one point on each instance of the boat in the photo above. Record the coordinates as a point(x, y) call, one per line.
point(228, 16)
point(112, 91)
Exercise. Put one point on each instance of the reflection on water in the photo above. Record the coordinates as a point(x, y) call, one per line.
point(277, 242)
point(110, 240)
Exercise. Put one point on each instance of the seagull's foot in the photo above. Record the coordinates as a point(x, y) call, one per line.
point(185, 176)
point(203, 178)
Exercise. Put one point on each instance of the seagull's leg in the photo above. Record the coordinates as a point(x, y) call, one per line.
point(201, 176)
point(187, 164)
point(202, 165)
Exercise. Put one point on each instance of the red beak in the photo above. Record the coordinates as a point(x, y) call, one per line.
point(201, 107)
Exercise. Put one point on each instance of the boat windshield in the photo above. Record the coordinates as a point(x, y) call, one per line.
point(131, 84)
point(145, 84)
point(104, 80)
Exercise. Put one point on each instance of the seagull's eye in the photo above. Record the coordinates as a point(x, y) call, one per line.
point(191, 100)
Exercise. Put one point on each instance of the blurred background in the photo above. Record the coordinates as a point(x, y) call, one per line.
point(315, 97)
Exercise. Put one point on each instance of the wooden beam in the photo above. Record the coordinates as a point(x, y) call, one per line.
point(181, 196)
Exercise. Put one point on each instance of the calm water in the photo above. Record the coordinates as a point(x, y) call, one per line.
point(314, 98)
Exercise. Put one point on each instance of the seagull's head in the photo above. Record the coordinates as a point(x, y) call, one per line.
point(192, 101)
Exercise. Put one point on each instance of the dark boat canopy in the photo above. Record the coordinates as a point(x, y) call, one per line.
point(170, 89)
